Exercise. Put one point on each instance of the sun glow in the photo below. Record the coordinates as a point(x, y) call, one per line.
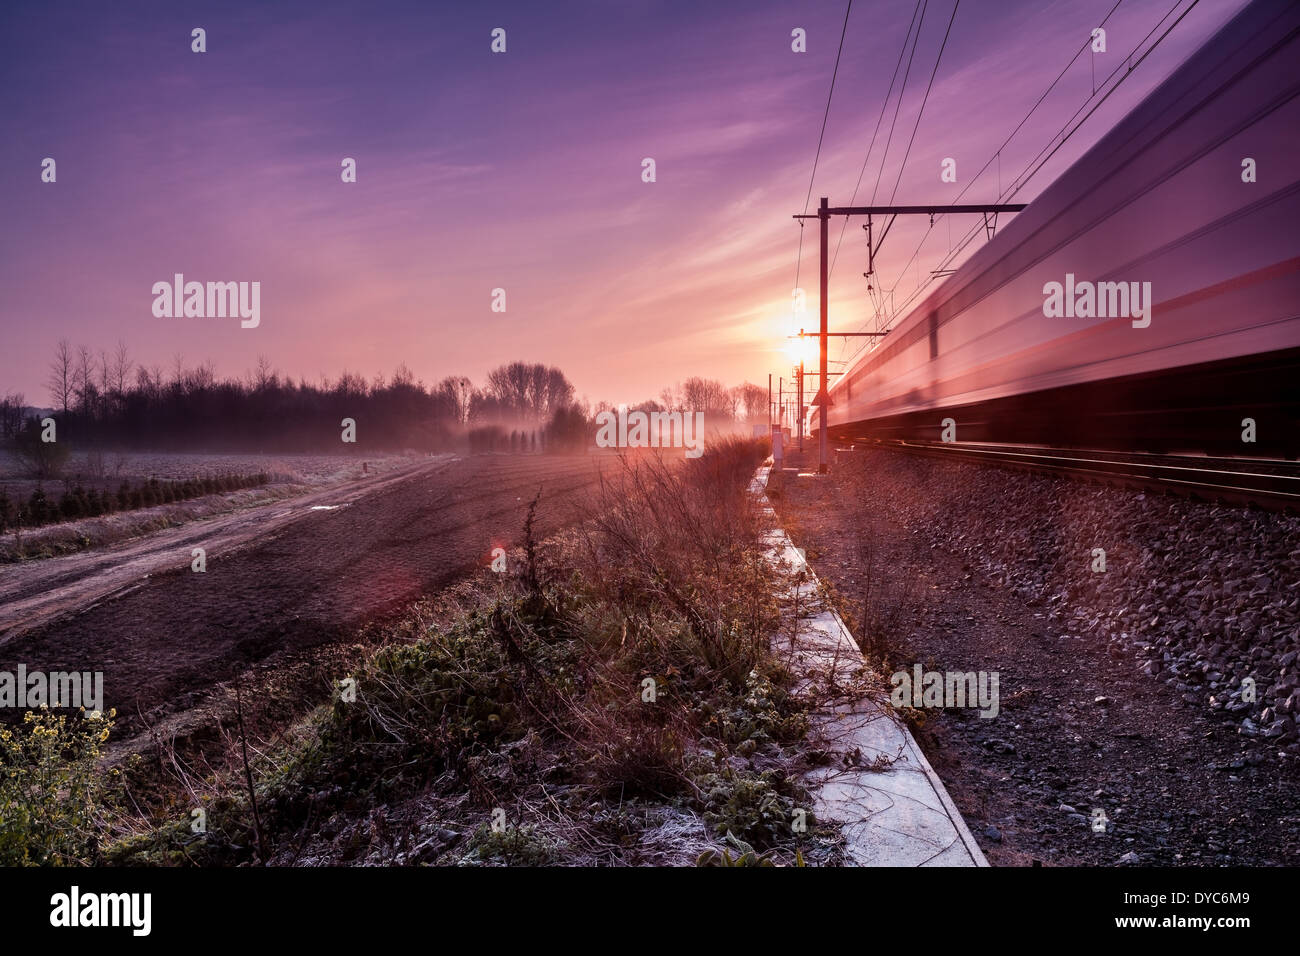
point(802, 350)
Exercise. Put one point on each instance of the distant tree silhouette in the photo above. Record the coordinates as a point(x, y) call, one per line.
point(62, 376)
point(42, 459)
point(532, 392)
point(114, 402)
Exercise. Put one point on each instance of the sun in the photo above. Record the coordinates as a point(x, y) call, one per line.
point(802, 350)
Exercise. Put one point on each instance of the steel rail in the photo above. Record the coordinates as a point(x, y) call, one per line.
point(1276, 490)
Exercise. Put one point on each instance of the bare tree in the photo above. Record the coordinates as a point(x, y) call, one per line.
point(203, 376)
point(60, 380)
point(84, 380)
point(11, 415)
point(531, 391)
point(144, 382)
point(403, 377)
point(457, 391)
point(264, 376)
point(558, 392)
point(733, 400)
point(705, 395)
point(753, 398)
point(509, 385)
point(351, 384)
point(121, 367)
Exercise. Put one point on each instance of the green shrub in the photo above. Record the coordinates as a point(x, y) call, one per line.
point(49, 791)
point(762, 713)
point(39, 508)
point(70, 507)
point(746, 855)
point(757, 809)
point(511, 846)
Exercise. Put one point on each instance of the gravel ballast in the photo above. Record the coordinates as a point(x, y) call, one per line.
point(1148, 710)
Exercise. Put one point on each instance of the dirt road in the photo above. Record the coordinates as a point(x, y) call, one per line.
point(280, 577)
point(37, 592)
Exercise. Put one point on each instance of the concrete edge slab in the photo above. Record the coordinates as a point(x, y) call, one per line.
point(903, 815)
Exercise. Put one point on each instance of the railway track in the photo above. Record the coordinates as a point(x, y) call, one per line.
point(1265, 483)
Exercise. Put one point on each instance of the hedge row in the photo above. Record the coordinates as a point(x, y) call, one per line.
point(41, 509)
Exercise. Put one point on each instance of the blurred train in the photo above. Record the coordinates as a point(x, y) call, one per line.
point(1162, 198)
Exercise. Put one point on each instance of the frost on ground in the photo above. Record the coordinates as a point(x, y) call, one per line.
point(608, 697)
point(115, 467)
point(288, 475)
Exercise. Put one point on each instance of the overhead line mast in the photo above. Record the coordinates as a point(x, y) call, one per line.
point(823, 215)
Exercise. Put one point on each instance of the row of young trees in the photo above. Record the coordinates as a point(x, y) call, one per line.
point(40, 508)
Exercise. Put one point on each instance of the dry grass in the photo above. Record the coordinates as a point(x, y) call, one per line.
point(605, 693)
point(876, 613)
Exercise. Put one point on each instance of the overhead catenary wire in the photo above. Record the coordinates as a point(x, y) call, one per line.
point(996, 157)
point(924, 99)
point(1056, 142)
point(1023, 178)
point(820, 137)
point(1132, 66)
point(893, 122)
point(884, 105)
point(1025, 175)
point(901, 90)
point(915, 126)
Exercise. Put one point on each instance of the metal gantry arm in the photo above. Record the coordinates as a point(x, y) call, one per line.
point(842, 335)
point(824, 212)
point(874, 247)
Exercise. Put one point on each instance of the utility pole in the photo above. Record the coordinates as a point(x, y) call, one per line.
point(823, 215)
point(780, 402)
point(769, 401)
point(801, 401)
point(824, 395)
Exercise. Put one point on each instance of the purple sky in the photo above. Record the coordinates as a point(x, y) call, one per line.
point(520, 171)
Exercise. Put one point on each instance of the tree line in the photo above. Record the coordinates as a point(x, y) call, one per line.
point(106, 400)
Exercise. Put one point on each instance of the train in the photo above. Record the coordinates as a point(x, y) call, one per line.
point(1041, 337)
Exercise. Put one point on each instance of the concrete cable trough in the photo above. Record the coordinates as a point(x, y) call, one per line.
point(878, 785)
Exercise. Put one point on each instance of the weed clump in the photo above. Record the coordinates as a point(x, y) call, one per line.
point(760, 810)
point(49, 791)
point(510, 846)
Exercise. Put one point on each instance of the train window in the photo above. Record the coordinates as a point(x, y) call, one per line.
point(934, 335)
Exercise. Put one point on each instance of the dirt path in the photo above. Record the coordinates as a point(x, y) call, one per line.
point(282, 578)
point(35, 593)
